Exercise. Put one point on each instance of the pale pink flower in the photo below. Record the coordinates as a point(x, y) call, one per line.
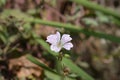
point(57, 42)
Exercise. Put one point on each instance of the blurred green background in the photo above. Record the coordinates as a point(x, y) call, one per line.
point(94, 26)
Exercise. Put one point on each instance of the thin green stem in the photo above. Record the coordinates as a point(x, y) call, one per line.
point(59, 66)
point(78, 29)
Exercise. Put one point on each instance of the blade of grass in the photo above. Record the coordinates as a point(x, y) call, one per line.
point(77, 29)
point(33, 60)
point(97, 7)
point(47, 69)
point(75, 69)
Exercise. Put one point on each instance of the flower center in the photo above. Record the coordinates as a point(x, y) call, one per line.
point(59, 44)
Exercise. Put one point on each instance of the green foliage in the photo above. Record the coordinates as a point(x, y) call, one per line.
point(97, 7)
point(20, 32)
point(48, 71)
point(13, 29)
point(2, 2)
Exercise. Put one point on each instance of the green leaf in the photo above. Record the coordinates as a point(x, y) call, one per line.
point(75, 69)
point(90, 21)
point(102, 17)
point(32, 59)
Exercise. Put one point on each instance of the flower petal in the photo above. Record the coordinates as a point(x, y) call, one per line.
point(65, 38)
point(54, 38)
point(55, 48)
point(58, 36)
point(68, 46)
